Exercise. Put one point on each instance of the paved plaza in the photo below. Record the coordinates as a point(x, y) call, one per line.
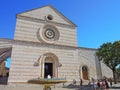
point(39, 87)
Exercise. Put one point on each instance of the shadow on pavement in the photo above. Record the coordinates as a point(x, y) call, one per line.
point(78, 87)
point(116, 87)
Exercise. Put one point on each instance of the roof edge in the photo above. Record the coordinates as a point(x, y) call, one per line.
point(58, 12)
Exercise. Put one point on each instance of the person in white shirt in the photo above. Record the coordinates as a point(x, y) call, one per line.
point(48, 76)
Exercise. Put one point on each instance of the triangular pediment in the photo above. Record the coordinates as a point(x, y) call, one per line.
point(43, 13)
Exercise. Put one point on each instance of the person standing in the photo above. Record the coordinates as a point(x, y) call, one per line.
point(103, 84)
point(106, 85)
point(74, 82)
point(98, 85)
point(110, 82)
point(81, 82)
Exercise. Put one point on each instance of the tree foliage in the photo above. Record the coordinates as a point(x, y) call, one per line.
point(109, 54)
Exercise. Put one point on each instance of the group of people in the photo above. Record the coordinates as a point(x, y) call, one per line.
point(102, 84)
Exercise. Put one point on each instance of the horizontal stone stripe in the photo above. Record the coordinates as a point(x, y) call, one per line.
point(22, 21)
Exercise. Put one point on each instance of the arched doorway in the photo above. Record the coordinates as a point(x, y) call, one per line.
point(49, 65)
point(85, 73)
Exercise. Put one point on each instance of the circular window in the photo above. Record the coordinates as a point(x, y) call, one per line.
point(50, 17)
point(49, 33)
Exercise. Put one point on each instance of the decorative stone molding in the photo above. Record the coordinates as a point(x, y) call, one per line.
point(44, 21)
point(60, 64)
point(36, 63)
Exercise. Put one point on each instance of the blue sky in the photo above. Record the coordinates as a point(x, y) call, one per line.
point(98, 21)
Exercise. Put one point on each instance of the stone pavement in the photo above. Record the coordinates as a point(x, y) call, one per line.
point(39, 87)
point(115, 87)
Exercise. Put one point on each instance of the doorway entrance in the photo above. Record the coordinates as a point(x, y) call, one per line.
point(49, 64)
point(85, 72)
point(48, 69)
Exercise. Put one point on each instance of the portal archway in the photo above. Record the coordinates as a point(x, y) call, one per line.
point(85, 73)
point(49, 65)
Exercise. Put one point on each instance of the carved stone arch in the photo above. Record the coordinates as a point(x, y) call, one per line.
point(55, 58)
point(84, 72)
point(52, 61)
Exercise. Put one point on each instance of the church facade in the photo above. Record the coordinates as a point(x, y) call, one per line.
point(45, 43)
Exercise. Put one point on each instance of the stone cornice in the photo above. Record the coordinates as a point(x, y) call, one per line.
point(10, 41)
point(55, 10)
point(44, 21)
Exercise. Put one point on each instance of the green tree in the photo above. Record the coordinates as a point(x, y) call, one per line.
point(109, 54)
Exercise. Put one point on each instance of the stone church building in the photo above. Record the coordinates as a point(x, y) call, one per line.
point(45, 43)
